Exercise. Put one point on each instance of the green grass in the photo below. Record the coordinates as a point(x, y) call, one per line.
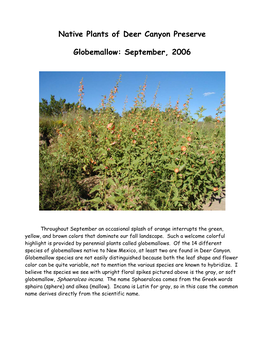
point(147, 159)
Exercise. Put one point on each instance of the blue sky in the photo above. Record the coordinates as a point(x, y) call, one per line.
point(208, 88)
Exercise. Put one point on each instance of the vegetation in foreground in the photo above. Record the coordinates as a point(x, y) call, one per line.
point(147, 159)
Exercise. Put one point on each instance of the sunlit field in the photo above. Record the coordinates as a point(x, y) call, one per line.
point(146, 159)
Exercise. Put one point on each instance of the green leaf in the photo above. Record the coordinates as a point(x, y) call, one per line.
point(171, 166)
point(111, 182)
point(102, 151)
point(96, 200)
point(110, 161)
point(135, 162)
point(175, 199)
point(161, 194)
point(175, 191)
point(137, 178)
point(164, 158)
point(111, 200)
point(152, 205)
point(95, 188)
point(182, 167)
point(178, 184)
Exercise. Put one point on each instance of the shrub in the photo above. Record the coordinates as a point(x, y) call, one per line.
point(146, 160)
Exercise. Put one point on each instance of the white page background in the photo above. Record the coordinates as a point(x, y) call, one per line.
point(233, 44)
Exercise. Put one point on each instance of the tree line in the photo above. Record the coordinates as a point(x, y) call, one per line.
point(55, 108)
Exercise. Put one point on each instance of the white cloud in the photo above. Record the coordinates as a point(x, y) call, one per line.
point(208, 93)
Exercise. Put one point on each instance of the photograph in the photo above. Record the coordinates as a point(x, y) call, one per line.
point(132, 141)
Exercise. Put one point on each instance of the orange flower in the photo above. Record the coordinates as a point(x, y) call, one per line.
point(213, 151)
point(176, 170)
point(215, 189)
point(189, 138)
point(183, 148)
point(110, 126)
point(134, 130)
point(134, 141)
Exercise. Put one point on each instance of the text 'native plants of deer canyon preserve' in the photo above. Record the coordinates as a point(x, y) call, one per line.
point(126, 34)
